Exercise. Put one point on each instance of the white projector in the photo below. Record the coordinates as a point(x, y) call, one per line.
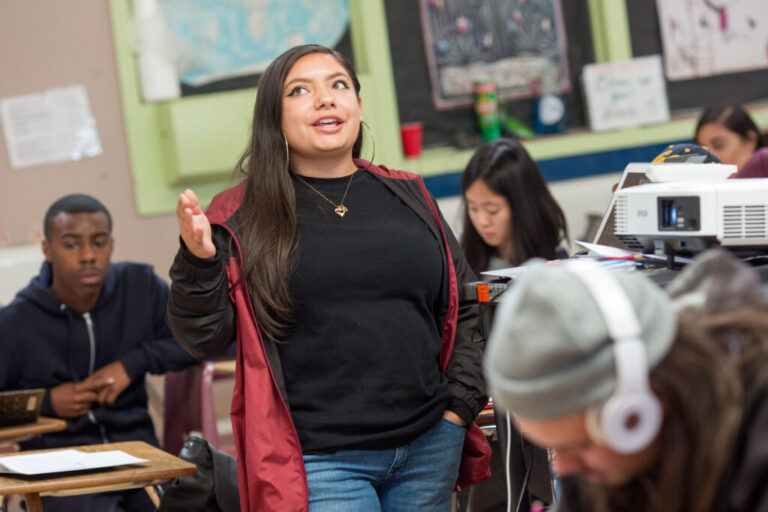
point(692, 216)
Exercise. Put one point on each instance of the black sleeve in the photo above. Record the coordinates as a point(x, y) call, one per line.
point(200, 313)
point(9, 348)
point(10, 362)
point(465, 370)
point(161, 353)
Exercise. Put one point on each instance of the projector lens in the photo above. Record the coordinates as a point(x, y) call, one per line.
point(678, 213)
point(668, 213)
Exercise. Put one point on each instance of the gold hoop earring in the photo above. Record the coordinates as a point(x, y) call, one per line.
point(287, 153)
point(373, 141)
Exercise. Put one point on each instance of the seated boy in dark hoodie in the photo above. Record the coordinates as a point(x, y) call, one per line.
point(88, 331)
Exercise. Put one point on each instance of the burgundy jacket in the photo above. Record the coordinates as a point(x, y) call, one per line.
point(271, 473)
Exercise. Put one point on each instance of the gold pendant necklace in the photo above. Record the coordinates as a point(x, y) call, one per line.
point(339, 209)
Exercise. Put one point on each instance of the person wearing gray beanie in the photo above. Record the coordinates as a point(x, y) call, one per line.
point(646, 400)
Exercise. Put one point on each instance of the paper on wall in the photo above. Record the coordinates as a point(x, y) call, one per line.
point(53, 126)
point(711, 37)
point(159, 77)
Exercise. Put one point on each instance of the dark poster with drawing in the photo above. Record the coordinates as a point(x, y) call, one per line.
point(519, 44)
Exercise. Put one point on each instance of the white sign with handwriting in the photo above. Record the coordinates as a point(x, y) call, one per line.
point(626, 93)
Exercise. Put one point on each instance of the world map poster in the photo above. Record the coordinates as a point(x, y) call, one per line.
point(217, 39)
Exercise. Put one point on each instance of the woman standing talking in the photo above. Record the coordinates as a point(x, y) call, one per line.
point(338, 279)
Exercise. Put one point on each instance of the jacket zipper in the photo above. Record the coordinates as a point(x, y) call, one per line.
point(92, 340)
point(91, 369)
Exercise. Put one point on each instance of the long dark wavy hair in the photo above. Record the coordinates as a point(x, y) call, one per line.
point(538, 223)
point(267, 218)
point(735, 119)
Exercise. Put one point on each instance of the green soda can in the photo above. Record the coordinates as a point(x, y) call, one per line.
point(487, 109)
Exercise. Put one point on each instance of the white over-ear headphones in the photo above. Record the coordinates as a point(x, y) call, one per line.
point(631, 418)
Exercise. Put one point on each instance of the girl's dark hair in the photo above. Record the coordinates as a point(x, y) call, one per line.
point(734, 118)
point(267, 217)
point(538, 223)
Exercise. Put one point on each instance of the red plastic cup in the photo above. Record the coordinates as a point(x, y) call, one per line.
point(412, 139)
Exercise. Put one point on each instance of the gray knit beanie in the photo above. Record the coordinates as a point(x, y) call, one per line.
point(549, 353)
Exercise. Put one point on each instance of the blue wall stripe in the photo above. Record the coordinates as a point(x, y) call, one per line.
point(566, 168)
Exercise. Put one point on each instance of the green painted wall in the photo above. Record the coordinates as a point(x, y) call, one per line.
point(196, 141)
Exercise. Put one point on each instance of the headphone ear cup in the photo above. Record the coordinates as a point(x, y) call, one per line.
point(630, 422)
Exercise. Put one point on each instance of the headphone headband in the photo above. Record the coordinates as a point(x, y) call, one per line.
point(630, 419)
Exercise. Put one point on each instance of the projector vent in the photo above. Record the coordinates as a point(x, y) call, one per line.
point(631, 242)
point(622, 216)
point(744, 222)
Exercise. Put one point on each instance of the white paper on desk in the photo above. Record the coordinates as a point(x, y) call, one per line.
point(64, 460)
point(515, 272)
point(605, 250)
point(512, 272)
point(615, 252)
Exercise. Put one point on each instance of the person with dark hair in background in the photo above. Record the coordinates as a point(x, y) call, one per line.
point(647, 401)
point(87, 331)
point(509, 214)
point(729, 133)
point(356, 380)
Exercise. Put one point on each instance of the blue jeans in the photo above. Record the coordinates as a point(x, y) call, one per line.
point(418, 476)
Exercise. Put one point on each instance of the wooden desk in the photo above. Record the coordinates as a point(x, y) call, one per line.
point(43, 425)
point(161, 466)
point(486, 419)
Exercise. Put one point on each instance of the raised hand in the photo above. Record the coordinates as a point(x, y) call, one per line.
point(194, 227)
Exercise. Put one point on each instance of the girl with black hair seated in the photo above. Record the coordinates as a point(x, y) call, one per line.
point(510, 215)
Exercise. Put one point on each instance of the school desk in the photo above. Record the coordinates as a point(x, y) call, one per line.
point(15, 433)
point(160, 466)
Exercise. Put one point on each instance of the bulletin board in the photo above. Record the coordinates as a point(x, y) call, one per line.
point(520, 45)
point(693, 93)
point(450, 127)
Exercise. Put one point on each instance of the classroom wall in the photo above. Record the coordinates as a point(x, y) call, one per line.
point(44, 45)
point(47, 44)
